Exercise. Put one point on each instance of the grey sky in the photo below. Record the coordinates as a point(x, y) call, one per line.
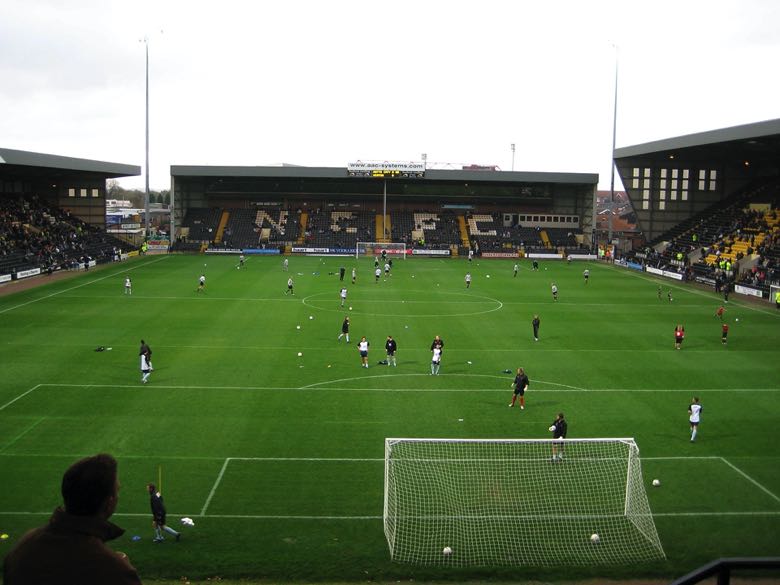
point(325, 83)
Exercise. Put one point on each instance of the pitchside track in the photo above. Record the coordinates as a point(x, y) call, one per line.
point(279, 459)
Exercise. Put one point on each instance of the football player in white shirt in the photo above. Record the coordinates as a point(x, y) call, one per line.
point(435, 361)
point(694, 414)
point(468, 280)
point(343, 295)
point(387, 270)
point(128, 286)
point(377, 274)
point(554, 289)
point(201, 283)
point(363, 349)
point(145, 368)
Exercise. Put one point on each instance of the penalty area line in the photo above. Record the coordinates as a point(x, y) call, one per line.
point(22, 395)
point(750, 479)
point(215, 486)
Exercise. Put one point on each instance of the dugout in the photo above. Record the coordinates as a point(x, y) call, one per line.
point(671, 180)
point(513, 194)
point(76, 185)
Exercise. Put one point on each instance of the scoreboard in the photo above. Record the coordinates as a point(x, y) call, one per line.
point(387, 170)
point(385, 173)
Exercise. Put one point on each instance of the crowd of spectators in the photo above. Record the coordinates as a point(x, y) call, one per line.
point(33, 235)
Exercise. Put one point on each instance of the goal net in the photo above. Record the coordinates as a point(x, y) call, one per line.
point(393, 250)
point(473, 502)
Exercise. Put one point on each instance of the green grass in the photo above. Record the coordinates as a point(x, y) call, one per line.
point(278, 458)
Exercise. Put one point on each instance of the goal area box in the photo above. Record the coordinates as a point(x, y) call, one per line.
point(508, 502)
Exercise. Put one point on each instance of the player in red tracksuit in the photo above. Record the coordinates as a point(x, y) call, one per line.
point(679, 335)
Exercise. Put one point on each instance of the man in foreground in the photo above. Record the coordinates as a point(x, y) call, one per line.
point(71, 547)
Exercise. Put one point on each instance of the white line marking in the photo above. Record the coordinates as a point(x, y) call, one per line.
point(22, 395)
point(360, 459)
point(215, 486)
point(23, 433)
point(500, 304)
point(396, 375)
point(564, 387)
point(750, 479)
point(672, 458)
point(54, 294)
point(295, 517)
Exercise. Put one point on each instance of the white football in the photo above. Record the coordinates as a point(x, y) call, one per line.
point(656, 482)
point(595, 539)
point(737, 319)
point(447, 551)
point(300, 354)
point(350, 308)
point(487, 276)
point(311, 316)
point(552, 428)
point(297, 326)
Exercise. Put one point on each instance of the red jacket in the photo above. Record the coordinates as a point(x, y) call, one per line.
point(69, 549)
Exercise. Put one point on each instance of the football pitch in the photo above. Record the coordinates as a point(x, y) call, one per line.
point(265, 430)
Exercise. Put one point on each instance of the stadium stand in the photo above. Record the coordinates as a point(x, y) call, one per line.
point(256, 227)
point(201, 224)
point(33, 235)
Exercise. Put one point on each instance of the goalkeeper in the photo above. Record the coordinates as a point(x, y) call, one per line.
point(558, 428)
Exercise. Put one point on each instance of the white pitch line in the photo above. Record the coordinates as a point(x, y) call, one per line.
point(396, 375)
point(22, 395)
point(750, 479)
point(320, 388)
point(369, 517)
point(215, 486)
point(348, 459)
point(54, 294)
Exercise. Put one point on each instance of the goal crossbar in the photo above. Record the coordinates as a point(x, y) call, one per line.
point(393, 249)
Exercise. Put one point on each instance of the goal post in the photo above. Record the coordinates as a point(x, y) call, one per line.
point(394, 250)
point(508, 502)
